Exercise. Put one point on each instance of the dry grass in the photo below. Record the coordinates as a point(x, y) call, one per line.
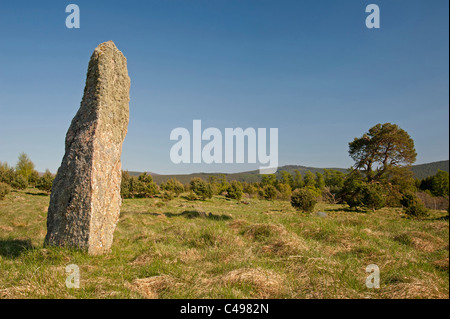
point(151, 287)
point(221, 248)
point(415, 289)
point(426, 242)
point(266, 283)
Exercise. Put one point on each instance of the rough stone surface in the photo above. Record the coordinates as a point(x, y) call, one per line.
point(321, 214)
point(85, 200)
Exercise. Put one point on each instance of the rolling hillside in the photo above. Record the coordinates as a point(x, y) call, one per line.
point(424, 170)
point(420, 171)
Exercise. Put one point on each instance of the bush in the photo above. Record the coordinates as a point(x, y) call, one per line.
point(174, 186)
point(45, 182)
point(214, 188)
point(167, 196)
point(285, 191)
point(414, 206)
point(352, 191)
point(201, 188)
point(315, 191)
point(34, 178)
point(334, 179)
point(269, 192)
point(19, 182)
point(235, 190)
point(393, 195)
point(125, 185)
point(191, 196)
point(373, 196)
point(302, 199)
point(144, 186)
point(223, 188)
point(4, 190)
point(250, 189)
point(6, 173)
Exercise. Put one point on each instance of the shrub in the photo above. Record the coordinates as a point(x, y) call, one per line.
point(302, 199)
point(334, 179)
point(235, 190)
point(250, 189)
point(352, 191)
point(414, 206)
point(223, 187)
point(309, 179)
point(214, 188)
point(4, 190)
point(6, 173)
point(167, 196)
point(45, 182)
point(315, 191)
point(373, 196)
point(144, 186)
point(393, 195)
point(19, 182)
point(191, 196)
point(320, 183)
point(34, 178)
point(269, 192)
point(285, 191)
point(174, 186)
point(201, 188)
point(125, 185)
point(268, 179)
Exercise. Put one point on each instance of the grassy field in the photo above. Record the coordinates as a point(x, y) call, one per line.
point(221, 248)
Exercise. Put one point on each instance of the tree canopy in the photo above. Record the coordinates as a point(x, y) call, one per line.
point(384, 146)
point(24, 166)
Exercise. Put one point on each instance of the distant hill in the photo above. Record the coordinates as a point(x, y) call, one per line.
point(134, 173)
point(424, 170)
point(249, 176)
point(420, 171)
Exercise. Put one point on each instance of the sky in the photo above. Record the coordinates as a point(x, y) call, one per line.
point(310, 68)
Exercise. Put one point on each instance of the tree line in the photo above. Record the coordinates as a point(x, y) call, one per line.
point(22, 176)
point(381, 176)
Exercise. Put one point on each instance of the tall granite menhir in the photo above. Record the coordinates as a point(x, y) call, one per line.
point(85, 200)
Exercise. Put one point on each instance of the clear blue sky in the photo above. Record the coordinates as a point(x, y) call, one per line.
point(310, 68)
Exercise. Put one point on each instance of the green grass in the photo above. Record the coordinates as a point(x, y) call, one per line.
point(221, 248)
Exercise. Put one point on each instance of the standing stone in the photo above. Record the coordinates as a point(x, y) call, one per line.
point(85, 200)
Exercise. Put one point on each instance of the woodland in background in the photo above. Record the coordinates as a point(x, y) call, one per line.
point(380, 177)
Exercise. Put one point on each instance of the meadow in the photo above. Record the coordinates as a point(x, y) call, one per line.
point(222, 248)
